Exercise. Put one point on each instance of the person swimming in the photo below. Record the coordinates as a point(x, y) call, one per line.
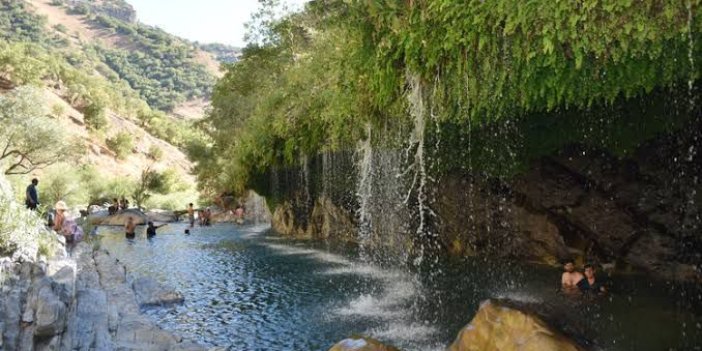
point(130, 228)
point(590, 284)
point(187, 232)
point(570, 277)
point(151, 229)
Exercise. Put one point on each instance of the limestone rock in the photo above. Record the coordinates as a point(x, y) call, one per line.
point(119, 219)
point(361, 344)
point(500, 328)
point(151, 293)
point(50, 314)
point(162, 216)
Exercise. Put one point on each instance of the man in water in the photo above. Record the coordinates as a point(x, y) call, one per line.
point(570, 277)
point(191, 215)
point(590, 284)
point(32, 199)
point(151, 229)
point(130, 228)
point(187, 232)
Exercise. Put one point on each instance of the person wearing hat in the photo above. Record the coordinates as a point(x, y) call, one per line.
point(60, 208)
point(66, 226)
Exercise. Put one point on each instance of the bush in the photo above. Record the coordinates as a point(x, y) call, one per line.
point(61, 28)
point(121, 144)
point(95, 118)
point(22, 232)
point(155, 152)
point(58, 110)
point(56, 3)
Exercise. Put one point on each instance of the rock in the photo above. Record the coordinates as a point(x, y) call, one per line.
point(497, 327)
point(361, 344)
point(151, 293)
point(162, 216)
point(50, 314)
point(119, 219)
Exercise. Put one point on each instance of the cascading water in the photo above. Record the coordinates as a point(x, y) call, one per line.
point(364, 192)
point(418, 166)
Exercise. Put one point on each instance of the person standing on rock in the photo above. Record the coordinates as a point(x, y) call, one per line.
point(570, 277)
point(32, 198)
point(130, 228)
point(191, 215)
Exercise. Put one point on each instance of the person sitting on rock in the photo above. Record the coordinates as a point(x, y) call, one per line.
point(125, 203)
point(112, 210)
point(130, 228)
point(151, 229)
point(570, 277)
point(590, 285)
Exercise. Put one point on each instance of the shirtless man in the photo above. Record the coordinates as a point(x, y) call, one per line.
point(191, 215)
point(130, 228)
point(571, 277)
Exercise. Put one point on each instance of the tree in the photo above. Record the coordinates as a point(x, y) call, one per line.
point(149, 183)
point(121, 144)
point(30, 140)
point(95, 116)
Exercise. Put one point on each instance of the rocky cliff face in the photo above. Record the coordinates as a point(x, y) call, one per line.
point(79, 303)
point(640, 212)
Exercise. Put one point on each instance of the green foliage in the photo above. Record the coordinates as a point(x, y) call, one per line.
point(22, 232)
point(22, 63)
point(58, 110)
point(17, 24)
point(61, 28)
point(95, 116)
point(152, 182)
point(30, 140)
point(312, 80)
point(155, 152)
point(122, 144)
point(164, 71)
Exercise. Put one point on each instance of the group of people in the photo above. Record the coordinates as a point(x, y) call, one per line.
point(573, 281)
point(118, 205)
point(130, 229)
point(58, 220)
point(204, 217)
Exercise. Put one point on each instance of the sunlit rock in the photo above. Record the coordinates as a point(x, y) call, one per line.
point(119, 219)
point(497, 327)
point(151, 293)
point(361, 344)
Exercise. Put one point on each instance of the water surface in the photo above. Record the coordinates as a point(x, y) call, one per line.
point(246, 288)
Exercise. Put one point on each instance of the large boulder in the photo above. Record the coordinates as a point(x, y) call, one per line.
point(151, 293)
point(50, 314)
point(361, 344)
point(498, 327)
point(162, 216)
point(119, 219)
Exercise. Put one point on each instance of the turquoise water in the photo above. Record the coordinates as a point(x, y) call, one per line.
point(247, 288)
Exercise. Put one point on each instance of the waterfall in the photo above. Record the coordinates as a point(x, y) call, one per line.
point(364, 190)
point(418, 166)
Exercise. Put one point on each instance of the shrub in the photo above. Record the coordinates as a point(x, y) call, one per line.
point(155, 152)
point(58, 110)
point(95, 118)
point(121, 144)
point(61, 28)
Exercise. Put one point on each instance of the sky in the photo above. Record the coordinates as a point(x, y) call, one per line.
point(206, 21)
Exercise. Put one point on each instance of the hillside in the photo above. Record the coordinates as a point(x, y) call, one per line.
point(125, 93)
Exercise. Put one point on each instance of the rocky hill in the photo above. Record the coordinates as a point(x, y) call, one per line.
point(125, 92)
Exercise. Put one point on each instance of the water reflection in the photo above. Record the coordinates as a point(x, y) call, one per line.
point(247, 289)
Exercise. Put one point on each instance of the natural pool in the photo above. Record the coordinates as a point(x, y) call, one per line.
point(247, 288)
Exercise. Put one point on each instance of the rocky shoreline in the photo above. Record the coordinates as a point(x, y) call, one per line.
point(83, 302)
